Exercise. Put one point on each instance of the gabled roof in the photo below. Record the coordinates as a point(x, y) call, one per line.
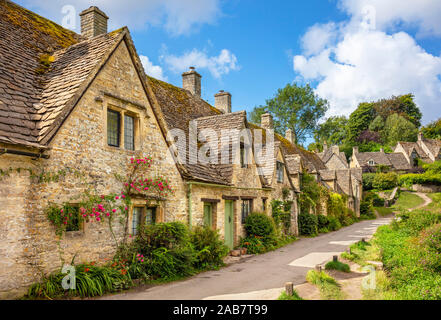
point(398, 161)
point(409, 147)
point(43, 68)
point(379, 158)
point(433, 145)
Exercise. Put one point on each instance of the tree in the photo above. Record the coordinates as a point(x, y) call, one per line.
point(377, 125)
point(359, 121)
point(255, 116)
point(295, 107)
point(399, 129)
point(432, 130)
point(401, 105)
point(332, 131)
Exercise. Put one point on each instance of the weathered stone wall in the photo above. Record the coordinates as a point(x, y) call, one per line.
point(335, 163)
point(81, 144)
point(426, 188)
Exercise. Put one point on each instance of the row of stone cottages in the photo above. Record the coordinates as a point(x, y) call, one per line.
point(84, 102)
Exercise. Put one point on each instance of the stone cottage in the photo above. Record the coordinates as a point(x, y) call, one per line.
point(427, 150)
point(371, 161)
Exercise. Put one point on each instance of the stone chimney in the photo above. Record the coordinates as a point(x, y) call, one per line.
point(355, 150)
point(222, 101)
point(382, 150)
point(290, 136)
point(420, 136)
point(325, 146)
point(335, 150)
point(93, 22)
point(191, 81)
point(267, 121)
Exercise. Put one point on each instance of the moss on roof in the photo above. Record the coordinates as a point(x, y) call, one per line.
point(38, 25)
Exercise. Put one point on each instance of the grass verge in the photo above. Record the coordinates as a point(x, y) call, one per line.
point(337, 265)
point(328, 286)
point(285, 296)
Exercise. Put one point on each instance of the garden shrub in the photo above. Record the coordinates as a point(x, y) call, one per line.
point(368, 181)
point(308, 224)
point(322, 223)
point(210, 249)
point(259, 224)
point(334, 224)
point(385, 181)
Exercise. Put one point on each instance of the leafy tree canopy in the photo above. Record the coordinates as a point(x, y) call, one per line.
point(332, 131)
point(399, 128)
point(294, 107)
point(432, 130)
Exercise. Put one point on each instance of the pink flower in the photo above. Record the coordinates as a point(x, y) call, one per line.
point(102, 197)
point(108, 214)
point(116, 198)
point(114, 210)
point(98, 219)
point(123, 196)
point(61, 210)
point(126, 209)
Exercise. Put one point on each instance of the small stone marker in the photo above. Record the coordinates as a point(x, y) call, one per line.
point(318, 268)
point(289, 287)
point(363, 240)
point(335, 258)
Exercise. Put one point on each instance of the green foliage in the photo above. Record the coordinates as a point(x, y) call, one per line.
point(377, 125)
point(385, 181)
point(328, 286)
point(431, 176)
point(90, 281)
point(296, 108)
point(360, 120)
point(281, 213)
point(337, 265)
point(322, 223)
point(167, 250)
point(407, 200)
point(332, 131)
point(411, 255)
point(311, 192)
point(308, 224)
point(432, 130)
point(209, 247)
point(259, 224)
point(295, 296)
point(334, 224)
point(368, 181)
point(398, 128)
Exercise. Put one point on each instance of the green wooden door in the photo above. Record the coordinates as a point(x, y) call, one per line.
point(229, 223)
point(208, 215)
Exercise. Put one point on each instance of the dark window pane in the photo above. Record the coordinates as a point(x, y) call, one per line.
point(246, 208)
point(280, 171)
point(113, 128)
point(136, 219)
point(129, 133)
point(150, 217)
point(73, 223)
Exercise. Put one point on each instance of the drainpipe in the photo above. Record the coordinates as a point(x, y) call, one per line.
point(190, 212)
point(24, 153)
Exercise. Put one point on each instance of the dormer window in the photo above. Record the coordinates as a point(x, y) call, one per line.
point(371, 163)
point(280, 172)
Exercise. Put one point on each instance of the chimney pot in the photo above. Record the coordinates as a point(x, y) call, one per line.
point(93, 22)
point(420, 136)
point(222, 101)
point(191, 81)
point(267, 121)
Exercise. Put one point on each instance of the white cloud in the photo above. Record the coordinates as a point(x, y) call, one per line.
point(424, 14)
point(352, 62)
point(176, 16)
point(318, 37)
point(152, 70)
point(216, 65)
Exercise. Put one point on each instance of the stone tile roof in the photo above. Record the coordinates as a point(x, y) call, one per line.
point(357, 173)
point(327, 155)
point(42, 66)
point(327, 175)
point(178, 108)
point(410, 146)
point(434, 146)
point(398, 161)
point(344, 181)
point(293, 161)
point(379, 158)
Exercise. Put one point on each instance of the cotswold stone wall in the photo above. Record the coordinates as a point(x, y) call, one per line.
point(29, 247)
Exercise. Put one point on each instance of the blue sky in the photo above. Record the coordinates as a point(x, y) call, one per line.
point(349, 50)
